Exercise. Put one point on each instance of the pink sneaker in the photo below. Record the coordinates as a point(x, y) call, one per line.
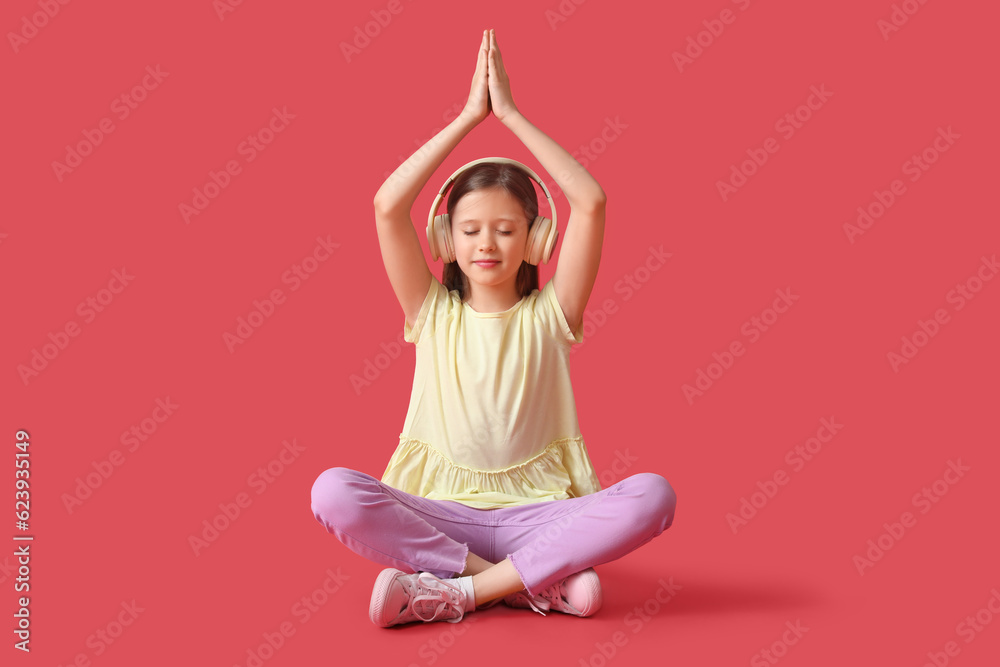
point(578, 594)
point(399, 597)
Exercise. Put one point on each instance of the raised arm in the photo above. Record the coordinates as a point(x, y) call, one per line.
point(580, 255)
point(401, 253)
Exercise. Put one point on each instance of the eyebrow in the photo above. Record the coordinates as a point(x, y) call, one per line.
point(469, 221)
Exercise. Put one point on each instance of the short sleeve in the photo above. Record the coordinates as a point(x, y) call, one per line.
point(435, 303)
point(553, 317)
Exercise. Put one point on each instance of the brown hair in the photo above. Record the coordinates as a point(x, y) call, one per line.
point(513, 180)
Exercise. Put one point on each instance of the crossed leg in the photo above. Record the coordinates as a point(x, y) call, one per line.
point(542, 542)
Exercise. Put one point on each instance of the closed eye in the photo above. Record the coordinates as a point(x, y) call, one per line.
point(499, 232)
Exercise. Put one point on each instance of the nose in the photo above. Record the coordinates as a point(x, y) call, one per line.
point(486, 241)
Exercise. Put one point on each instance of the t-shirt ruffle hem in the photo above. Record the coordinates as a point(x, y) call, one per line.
point(562, 470)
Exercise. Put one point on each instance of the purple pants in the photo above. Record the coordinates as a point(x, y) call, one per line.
point(546, 541)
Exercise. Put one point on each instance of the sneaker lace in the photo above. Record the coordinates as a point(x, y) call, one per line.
point(430, 598)
point(553, 596)
point(541, 602)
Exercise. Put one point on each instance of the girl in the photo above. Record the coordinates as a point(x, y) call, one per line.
point(490, 494)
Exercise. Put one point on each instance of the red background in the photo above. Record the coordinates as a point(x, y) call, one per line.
point(826, 357)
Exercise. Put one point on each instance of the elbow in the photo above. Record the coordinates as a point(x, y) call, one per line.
point(600, 199)
point(390, 204)
point(382, 206)
point(378, 201)
point(385, 199)
point(594, 200)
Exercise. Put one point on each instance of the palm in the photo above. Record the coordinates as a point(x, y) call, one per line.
point(499, 82)
point(478, 106)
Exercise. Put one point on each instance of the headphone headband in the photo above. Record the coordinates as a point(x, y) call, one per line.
point(499, 160)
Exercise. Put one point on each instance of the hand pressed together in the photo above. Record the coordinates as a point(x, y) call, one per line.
point(478, 106)
point(500, 97)
point(490, 84)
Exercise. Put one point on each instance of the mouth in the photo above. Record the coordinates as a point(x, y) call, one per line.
point(486, 263)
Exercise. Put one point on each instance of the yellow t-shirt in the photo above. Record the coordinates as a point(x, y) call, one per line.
point(492, 418)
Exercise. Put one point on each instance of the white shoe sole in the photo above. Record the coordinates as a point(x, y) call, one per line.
point(380, 591)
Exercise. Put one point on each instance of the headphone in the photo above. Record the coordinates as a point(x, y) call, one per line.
point(542, 233)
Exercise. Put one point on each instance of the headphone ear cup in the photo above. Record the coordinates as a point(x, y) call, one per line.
point(439, 239)
point(550, 241)
point(551, 248)
point(541, 241)
point(432, 239)
point(435, 241)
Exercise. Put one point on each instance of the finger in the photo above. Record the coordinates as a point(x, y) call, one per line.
point(496, 63)
point(495, 52)
point(483, 56)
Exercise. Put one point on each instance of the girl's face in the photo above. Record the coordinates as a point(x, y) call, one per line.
point(489, 224)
